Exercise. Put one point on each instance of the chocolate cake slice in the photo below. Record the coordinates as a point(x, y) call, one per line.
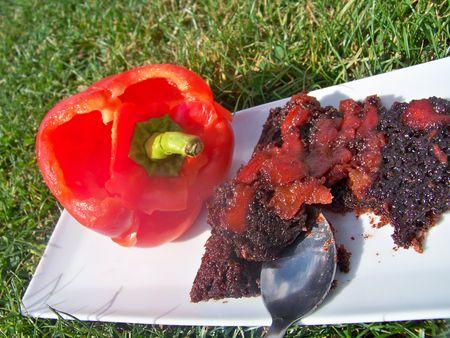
point(245, 231)
point(361, 157)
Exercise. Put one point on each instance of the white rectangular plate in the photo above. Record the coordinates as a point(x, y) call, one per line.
point(87, 276)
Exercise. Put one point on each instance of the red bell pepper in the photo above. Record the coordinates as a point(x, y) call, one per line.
point(136, 154)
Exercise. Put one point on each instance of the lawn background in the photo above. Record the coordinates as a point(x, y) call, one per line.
point(250, 52)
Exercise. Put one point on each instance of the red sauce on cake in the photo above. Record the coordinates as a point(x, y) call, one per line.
point(299, 174)
point(237, 211)
point(420, 115)
point(440, 155)
point(288, 199)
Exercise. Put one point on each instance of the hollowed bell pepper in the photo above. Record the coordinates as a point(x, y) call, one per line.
point(136, 154)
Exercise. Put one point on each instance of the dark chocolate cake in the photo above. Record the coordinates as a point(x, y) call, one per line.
point(361, 157)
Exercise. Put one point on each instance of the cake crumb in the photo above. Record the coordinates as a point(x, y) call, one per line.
point(334, 284)
point(382, 222)
point(343, 258)
point(352, 238)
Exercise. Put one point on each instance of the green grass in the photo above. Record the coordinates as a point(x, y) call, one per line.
point(250, 53)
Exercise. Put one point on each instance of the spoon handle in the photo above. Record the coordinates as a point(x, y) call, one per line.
point(278, 328)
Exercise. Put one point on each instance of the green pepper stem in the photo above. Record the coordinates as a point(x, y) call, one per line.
point(168, 143)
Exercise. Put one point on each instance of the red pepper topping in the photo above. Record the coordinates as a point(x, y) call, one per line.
point(370, 120)
point(420, 115)
point(297, 117)
point(432, 134)
point(284, 169)
point(249, 172)
point(440, 155)
point(237, 212)
point(288, 199)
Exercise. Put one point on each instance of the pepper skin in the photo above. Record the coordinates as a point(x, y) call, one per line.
point(83, 152)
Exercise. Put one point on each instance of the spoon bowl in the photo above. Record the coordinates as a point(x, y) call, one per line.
point(296, 283)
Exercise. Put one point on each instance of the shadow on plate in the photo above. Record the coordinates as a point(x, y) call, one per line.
point(199, 227)
point(350, 233)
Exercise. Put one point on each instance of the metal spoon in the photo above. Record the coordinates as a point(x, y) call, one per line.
point(295, 284)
